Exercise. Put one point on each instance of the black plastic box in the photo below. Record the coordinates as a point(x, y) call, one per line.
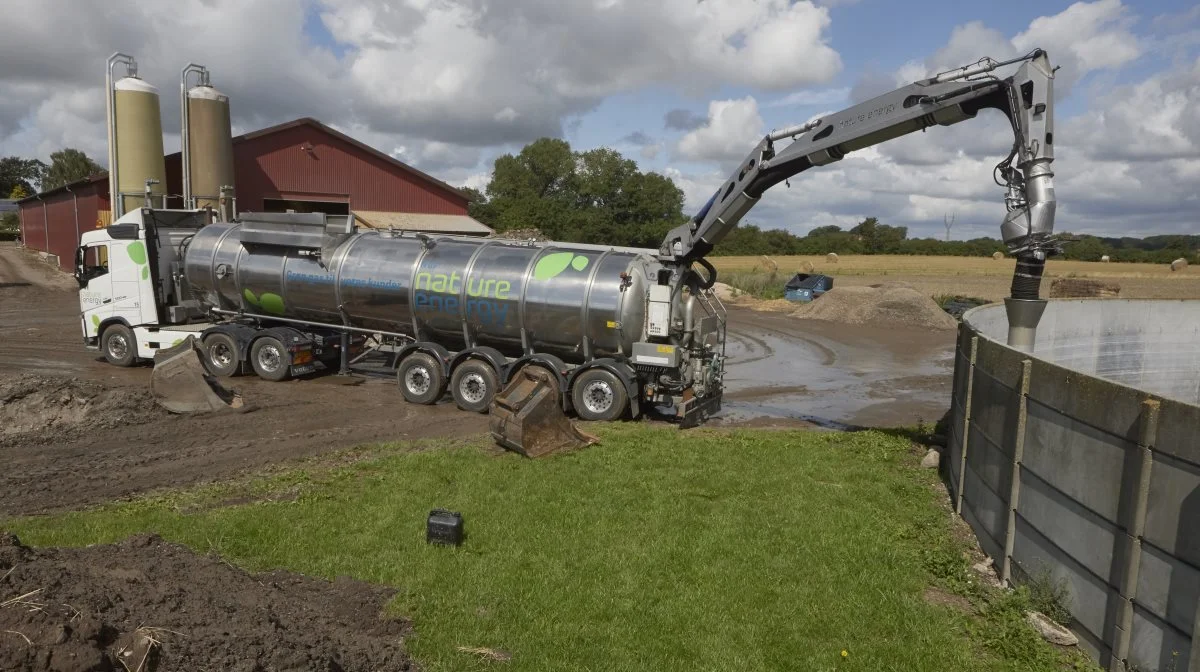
point(444, 527)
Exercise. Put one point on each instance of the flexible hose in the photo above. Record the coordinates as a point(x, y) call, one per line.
point(1027, 277)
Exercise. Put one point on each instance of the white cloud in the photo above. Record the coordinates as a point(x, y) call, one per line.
point(467, 72)
point(821, 97)
point(732, 130)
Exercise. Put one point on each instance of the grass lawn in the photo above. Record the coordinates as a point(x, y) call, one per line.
point(656, 550)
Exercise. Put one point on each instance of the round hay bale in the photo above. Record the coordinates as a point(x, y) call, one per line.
point(807, 267)
point(1179, 264)
point(832, 258)
point(997, 256)
point(768, 264)
point(1105, 259)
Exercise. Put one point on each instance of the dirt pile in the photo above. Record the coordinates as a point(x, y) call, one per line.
point(145, 604)
point(1072, 288)
point(41, 409)
point(890, 304)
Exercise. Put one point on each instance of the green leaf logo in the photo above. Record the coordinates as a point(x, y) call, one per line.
point(272, 303)
point(96, 321)
point(250, 297)
point(145, 272)
point(137, 252)
point(552, 265)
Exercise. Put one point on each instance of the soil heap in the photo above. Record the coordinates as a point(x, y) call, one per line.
point(886, 305)
point(145, 604)
point(45, 409)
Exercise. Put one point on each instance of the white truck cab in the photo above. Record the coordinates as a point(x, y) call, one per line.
point(126, 277)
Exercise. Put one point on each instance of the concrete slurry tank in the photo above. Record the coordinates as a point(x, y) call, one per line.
point(1079, 464)
point(576, 302)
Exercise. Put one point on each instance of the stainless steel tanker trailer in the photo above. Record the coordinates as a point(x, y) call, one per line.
point(282, 295)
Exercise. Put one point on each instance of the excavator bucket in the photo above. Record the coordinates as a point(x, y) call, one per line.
point(527, 416)
point(181, 384)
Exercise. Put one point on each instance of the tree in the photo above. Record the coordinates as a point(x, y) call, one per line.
point(18, 192)
point(880, 238)
point(67, 166)
point(824, 230)
point(596, 196)
point(24, 173)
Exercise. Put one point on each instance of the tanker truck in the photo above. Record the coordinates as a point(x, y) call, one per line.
point(281, 295)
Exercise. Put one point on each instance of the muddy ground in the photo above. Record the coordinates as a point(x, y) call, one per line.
point(782, 371)
point(145, 604)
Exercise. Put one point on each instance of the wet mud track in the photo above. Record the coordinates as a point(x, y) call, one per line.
point(782, 371)
point(789, 371)
point(40, 335)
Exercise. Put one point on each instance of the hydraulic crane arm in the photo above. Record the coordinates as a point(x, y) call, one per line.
point(1026, 98)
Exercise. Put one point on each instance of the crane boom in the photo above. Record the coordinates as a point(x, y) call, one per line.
point(1026, 98)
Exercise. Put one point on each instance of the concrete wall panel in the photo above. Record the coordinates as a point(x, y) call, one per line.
point(1155, 645)
point(1080, 533)
point(1078, 459)
point(1040, 559)
point(1173, 512)
point(1168, 588)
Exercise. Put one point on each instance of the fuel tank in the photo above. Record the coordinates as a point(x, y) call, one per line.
point(577, 302)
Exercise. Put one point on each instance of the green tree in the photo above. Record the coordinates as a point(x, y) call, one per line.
point(24, 173)
point(594, 196)
point(18, 192)
point(824, 230)
point(67, 166)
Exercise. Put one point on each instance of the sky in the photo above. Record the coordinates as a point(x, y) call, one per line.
point(684, 87)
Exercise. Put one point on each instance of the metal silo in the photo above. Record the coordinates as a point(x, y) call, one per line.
point(207, 143)
point(135, 142)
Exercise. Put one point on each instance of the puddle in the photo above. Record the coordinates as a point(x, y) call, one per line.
point(833, 376)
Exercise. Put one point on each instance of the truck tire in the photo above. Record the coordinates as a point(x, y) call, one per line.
point(119, 345)
point(221, 355)
point(271, 359)
point(421, 379)
point(599, 395)
point(473, 385)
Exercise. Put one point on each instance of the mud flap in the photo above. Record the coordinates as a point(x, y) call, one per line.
point(527, 416)
point(180, 382)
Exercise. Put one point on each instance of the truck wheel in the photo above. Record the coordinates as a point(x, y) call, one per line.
point(119, 345)
point(422, 380)
point(473, 385)
point(599, 395)
point(270, 359)
point(221, 355)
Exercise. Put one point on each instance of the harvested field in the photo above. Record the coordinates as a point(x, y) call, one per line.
point(983, 277)
point(145, 604)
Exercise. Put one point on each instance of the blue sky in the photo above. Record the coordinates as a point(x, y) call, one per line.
point(448, 85)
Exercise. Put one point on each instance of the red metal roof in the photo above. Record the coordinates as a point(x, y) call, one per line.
point(307, 160)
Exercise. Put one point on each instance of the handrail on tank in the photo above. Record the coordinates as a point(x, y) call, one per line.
point(118, 208)
point(184, 137)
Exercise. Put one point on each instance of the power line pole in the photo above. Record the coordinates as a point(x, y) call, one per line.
point(949, 222)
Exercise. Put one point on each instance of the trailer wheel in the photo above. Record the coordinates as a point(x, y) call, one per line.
point(221, 355)
point(473, 385)
point(421, 379)
point(599, 395)
point(270, 359)
point(119, 345)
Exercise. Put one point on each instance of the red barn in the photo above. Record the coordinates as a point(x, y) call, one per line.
point(302, 165)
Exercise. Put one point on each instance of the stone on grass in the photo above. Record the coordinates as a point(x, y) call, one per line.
point(1051, 631)
point(932, 459)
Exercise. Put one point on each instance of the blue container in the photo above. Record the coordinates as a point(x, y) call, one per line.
point(802, 295)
